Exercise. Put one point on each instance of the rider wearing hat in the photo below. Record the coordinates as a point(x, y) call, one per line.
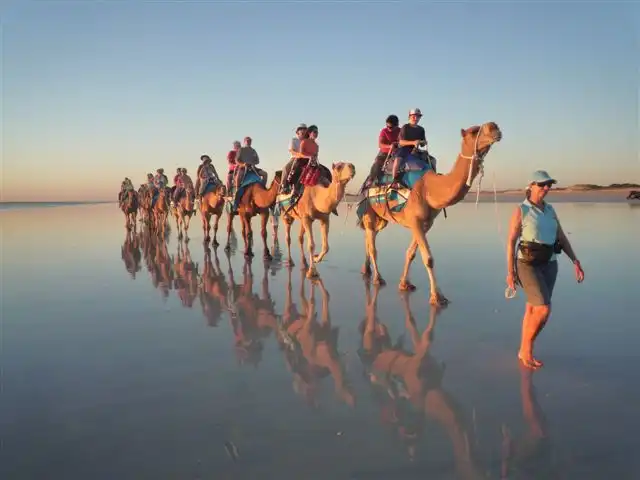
point(411, 136)
point(206, 174)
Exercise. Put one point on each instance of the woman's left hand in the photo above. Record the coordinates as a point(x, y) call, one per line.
point(579, 272)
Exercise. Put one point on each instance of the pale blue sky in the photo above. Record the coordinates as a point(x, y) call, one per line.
point(95, 91)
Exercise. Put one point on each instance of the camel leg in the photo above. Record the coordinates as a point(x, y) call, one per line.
point(324, 232)
point(370, 236)
point(264, 220)
point(178, 216)
point(247, 233)
point(419, 235)
point(287, 239)
point(215, 231)
point(206, 224)
point(186, 220)
point(311, 245)
point(405, 284)
point(303, 258)
point(229, 230)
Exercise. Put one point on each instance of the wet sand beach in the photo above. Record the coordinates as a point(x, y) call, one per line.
point(132, 357)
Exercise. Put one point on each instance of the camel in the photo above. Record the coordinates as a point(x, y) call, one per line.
point(183, 211)
point(129, 207)
point(143, 203)
point(212, 204)
point(255, 200)
point(425, 200)
point(160, 210)
point(315, 203)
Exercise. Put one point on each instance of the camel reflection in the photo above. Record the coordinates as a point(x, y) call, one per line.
point(131, 255)
point(186, 275)
point(527, 456)
point(408, 386)
point(253, 316)
point(311, 347)
point(158, 261)
point(214, 289)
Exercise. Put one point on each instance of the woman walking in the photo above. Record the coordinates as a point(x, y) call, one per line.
point(534, 266)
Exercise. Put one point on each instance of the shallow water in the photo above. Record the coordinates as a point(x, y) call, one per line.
point(106, 373)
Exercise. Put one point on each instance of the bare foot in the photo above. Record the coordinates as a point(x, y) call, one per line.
point(529, 361)
point(366, 270)
point(379, 281)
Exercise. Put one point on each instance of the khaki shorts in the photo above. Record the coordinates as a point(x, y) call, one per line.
point(538, 282)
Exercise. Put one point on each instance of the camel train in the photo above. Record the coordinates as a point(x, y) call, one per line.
point(414, 203)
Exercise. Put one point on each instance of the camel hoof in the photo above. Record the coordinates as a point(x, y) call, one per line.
point(438, 300)
point(227, 248)
point(207, 239)
point(312, 273)
point(248, 254)
point(366, 270)
point(406, 287)
point(379, 281)
point(215, 243)
point(267, 255)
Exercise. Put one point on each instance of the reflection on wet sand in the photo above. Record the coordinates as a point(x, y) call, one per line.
point(408, 385)
point(311, 347)
point(406, 382)
point(528, 455)
point(131, 255)
point(253, 317)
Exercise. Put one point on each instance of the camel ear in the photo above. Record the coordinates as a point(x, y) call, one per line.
point(333, 165)
point(462, 132)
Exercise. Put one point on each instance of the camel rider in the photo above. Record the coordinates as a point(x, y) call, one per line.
point(231, 162)
point(294, 155)
point(177, 188)
point(160, 180)
point(246, 158)
point(124, 187)
point(411, 136)
point(206, 174)
point(186, 179)
point(387, 139)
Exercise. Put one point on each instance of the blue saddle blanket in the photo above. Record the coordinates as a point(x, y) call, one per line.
point(250, 178)
point(154, 199)
point(211, 186)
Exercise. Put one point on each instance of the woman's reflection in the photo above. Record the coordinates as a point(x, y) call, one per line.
point(528, 456)
point(409, 385)
point(131, 255)
point(311, 347)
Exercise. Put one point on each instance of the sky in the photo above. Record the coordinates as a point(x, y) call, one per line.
point(96, 91)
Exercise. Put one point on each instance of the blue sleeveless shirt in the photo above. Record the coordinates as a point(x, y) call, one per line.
point(539, 226)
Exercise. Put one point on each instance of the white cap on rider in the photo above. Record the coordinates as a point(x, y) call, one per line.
point(415, 111)
point(302, 125)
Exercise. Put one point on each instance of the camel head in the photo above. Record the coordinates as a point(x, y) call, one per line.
point(343, 172)
point(477, 140)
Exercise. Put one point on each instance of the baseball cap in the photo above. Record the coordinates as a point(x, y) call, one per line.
point(415, 111)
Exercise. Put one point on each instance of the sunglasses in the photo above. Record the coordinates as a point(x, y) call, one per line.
point(544, 184)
